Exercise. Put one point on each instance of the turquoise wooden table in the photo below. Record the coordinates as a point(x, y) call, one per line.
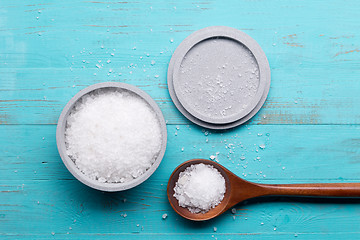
point(309, 125)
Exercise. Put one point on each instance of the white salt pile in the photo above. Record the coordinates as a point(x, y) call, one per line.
point(113, 135)
point(199, 188)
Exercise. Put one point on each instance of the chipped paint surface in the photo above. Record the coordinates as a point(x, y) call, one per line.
point(350, 51)
point(307, 131)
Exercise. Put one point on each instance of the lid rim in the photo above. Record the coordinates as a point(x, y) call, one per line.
point(267, 79)
point(225, 32)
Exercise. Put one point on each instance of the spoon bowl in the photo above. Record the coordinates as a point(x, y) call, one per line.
point(184, 211)
point(238, 190)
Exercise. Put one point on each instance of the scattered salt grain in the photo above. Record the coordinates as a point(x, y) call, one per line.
point(199, 188)
point(164, 216)
point(112, 136)
point(215, 229)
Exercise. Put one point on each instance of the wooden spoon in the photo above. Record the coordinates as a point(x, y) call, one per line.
point(238, 190)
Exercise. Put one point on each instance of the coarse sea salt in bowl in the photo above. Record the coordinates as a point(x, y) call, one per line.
point(111, 136)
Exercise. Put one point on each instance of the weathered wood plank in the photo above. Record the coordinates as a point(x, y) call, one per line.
point(306, 152)
point(36, 187)
point(40, 94)
point(313, 54)
point(68, 206)
point(200, 236)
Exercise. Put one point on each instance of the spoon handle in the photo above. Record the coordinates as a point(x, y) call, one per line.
point(314, 189)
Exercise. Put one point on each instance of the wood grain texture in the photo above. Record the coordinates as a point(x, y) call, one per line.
point(309, 125)
point(48, 56)
point(36, 186)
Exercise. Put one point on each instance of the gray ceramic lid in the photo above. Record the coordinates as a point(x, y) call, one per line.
point(218, 77)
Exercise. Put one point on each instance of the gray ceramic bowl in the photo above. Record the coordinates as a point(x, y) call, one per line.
point(70, 165)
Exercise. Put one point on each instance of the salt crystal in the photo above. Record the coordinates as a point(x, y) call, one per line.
point(101, 140)
point(262, 146)
point(215, 229)
point(199, 188)
point(233, 210)
point(164, 216)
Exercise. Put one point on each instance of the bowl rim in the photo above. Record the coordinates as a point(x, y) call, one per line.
point(70, 165)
